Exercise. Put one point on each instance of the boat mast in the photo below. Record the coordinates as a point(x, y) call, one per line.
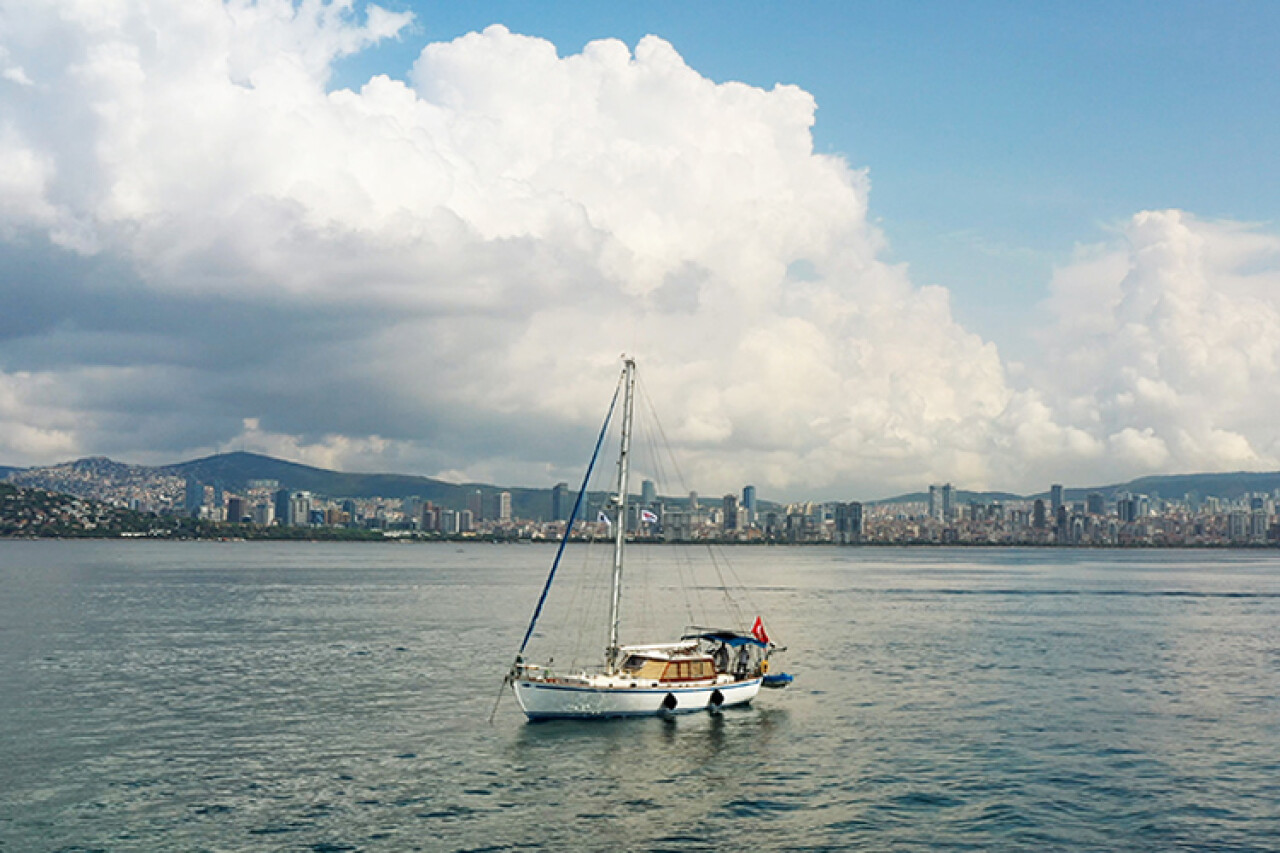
point(620, 523)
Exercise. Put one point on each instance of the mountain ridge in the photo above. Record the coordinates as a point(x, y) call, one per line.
point(1232, 484)
point(233, 471)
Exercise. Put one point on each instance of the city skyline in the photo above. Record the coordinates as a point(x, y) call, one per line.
point(854, 250)
point(161, 504)
point(215, 480)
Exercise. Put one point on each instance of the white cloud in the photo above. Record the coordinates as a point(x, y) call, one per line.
point(439, 274)
point(335, 452)
point(1165, 345)
point(28, 429)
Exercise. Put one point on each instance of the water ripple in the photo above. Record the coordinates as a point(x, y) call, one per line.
point(334, 698)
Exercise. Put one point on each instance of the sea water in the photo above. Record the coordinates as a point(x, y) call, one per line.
point(327, 697)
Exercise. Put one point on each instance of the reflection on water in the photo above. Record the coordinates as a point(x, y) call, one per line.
point(653, 781)
point(634, 745)
point(304, 697)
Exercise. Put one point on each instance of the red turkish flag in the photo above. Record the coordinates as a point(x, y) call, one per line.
point(757, 631)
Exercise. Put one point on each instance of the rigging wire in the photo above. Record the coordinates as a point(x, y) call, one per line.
point(693, 590)
point(577, 504)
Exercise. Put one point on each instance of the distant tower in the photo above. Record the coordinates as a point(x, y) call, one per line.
point(730, 512)
point(449, 522)
point(282, 508)
point(1095, 504)
point(1055, 497)
point(559, 502)
point(935, 506)
point(504, 506)
point(194, 498)
point(648, 493)
point(1038, 515)
point(693, 502)
point(749, 503)
point(264, 514)
point(299, 509)
point(848, 518)
point(948, 495)
point(475, 503)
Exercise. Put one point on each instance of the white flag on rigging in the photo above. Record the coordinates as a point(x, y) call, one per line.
point(602, 517)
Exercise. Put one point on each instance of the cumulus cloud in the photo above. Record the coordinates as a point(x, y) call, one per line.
point(438, 274)
point(1165, 344)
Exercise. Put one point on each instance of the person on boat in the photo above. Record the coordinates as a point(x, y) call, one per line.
point(721, 657)
point(744, 660)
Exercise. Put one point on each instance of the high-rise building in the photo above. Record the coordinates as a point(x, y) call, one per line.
point(1055, 498)
point(504, 507)
point(235, 509)
point(300, 509)
point(475, 503)
point(559, 502)
point(730, 505)
point(263, 514)
point(1258, 525)
point(449, 521)
point(1133, 507)
point(282, 508)
point(1038, 520)
point(848, 523)
point(948, 504)
point(935, 506)
point(194, 498)
point(749, 503)
point(648, 493)
point(1095, 504)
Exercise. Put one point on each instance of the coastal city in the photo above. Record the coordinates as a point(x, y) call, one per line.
point(264, 508)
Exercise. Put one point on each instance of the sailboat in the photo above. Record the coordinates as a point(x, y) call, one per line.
point(704, 669)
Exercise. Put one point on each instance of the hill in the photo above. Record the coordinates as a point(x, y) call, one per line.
point(1230, 486)
point(1233, 485)
point(26, 512)
point(959, 496)
point(233, 471)
point(103, 479)
point(99, 478)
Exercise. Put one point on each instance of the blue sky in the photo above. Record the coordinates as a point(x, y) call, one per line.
point(998, 135)
point(857, 248)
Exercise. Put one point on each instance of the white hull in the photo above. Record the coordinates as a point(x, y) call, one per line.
point(543, 701)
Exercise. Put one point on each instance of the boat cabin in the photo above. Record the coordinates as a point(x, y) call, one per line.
point(671, 663)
